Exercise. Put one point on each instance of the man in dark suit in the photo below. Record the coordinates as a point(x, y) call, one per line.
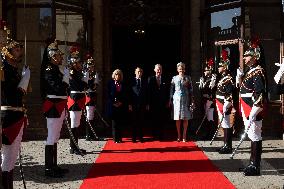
point(158, 98)
point(137, 103)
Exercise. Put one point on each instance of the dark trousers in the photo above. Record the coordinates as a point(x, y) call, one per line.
point(117, 123)
point(158, 121)
point(138, 117)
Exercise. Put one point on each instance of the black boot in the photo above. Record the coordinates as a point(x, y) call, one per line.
point(5, 179)
point(11, 178)
point(253, 169)
point(73, 147)
point(49, 168)
point(227, 148)
point(55, 166)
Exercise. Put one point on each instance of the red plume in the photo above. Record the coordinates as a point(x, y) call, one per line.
point(74, 48)
point(2, 24)
point(224, 54)
point(255, 41)
point(210, 62)
point(88, 56)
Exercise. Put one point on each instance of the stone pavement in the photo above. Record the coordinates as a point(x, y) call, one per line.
point(33, 162)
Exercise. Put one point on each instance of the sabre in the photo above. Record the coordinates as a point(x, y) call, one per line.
point(21, 169)
point(243, 137)
point(202, 121)
point(71, 134)
point(90, 125)
point(217, 129)
point(102, 119)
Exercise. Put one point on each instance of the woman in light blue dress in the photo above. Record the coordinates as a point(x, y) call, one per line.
point(182, 99)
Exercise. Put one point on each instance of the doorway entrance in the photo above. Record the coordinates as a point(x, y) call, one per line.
point(145, 47)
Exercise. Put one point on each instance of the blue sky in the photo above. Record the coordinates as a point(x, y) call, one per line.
point(224, 18)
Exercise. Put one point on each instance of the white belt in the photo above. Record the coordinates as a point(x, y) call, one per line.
point(74, 92)
point(247, 95)
point(54, 96)
point(16, 109)
point(220, 97)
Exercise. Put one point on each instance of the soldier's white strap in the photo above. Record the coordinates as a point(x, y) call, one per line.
point(248, 95)
point(220, 97)
point(55, 96)
point(75, 92)
point(16, 109)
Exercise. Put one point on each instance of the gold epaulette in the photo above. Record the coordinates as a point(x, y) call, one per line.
point(48, 68)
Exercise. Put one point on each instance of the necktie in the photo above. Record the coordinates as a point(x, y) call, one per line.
point(138, 84)
point(158, 81)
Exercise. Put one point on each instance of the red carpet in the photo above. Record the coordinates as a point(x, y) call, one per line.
point(154, 165)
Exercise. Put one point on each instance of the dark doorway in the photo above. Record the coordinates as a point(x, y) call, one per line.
point(159, 44)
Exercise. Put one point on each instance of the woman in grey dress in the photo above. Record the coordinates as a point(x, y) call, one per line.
point(182, 99)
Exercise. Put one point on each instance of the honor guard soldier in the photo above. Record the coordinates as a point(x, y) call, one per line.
point(252, 92)
point(224, 102)
point(207, 86)
point(91, 95)
point(13, 118)
point(55, 86)
point(76, 100)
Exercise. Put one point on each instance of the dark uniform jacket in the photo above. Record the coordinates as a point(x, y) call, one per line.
point(207, 92)
point(91, 95)
point(224, 91)
point(77, 97)
point(55, 90)
point(11, 96)
point(252, 90)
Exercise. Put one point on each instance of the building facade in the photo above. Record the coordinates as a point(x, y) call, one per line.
point(127, 33)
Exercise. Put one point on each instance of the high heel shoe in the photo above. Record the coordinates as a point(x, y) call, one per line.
point(178, 140)
point(184, 140)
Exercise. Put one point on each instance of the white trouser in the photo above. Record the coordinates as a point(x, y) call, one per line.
point(226, 120)
point(90, 112)
point(10, 152)
point(209, 111)
point(254, 132)
point(54, 126)
point(75, 118)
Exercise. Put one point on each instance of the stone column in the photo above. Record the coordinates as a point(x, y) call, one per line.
point(102, 45)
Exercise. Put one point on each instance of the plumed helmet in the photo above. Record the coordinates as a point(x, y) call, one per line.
point(89, 60)
point(52, 50)
point(253, 48)
point(209, 64)
point(6, 50)
point(224, 59)
point(74, 56)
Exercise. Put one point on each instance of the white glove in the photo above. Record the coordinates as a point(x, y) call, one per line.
point(213, 81)
point(66, 75)
point(201, 82)
point(86, 77)
point(97, 79)
point(279, 73)
point(253, 113)
point(239, 76)
point(226, 106)
point(209, 103)
point(26, 74)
